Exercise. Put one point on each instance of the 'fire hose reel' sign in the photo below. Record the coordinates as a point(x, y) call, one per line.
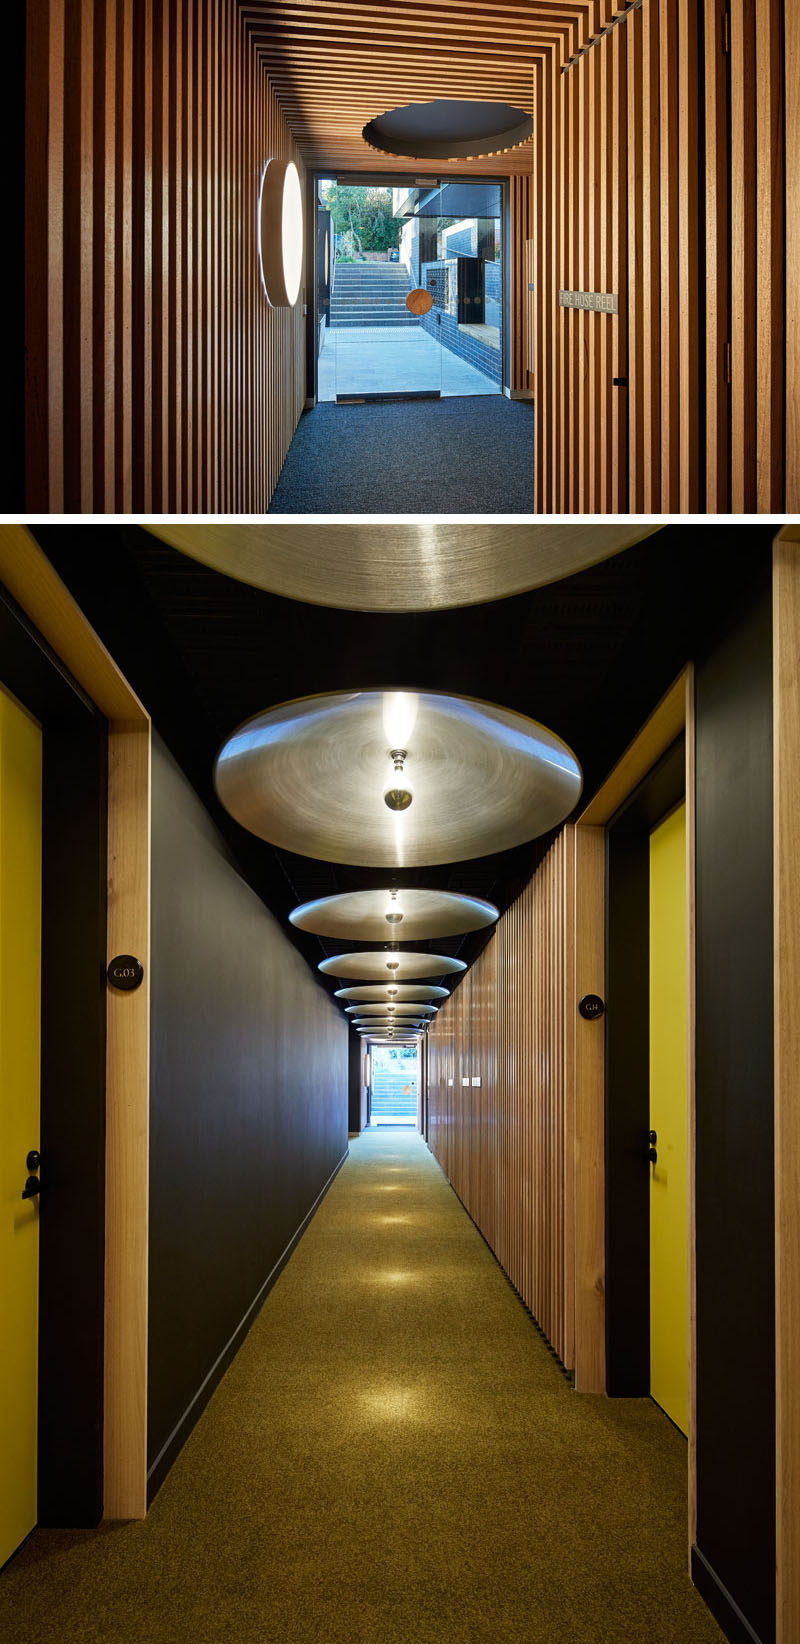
point(599, 302)
point(125, 972)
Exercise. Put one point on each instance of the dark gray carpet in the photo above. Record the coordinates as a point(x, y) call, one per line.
point(460, 456)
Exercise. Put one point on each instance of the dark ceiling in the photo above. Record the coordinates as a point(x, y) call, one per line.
point(589, 656)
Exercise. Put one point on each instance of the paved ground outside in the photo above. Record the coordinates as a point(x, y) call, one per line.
point(393, 360)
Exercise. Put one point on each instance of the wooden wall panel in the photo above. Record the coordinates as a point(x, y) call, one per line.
point(158, 376)
point(506, 1142)
point(627, 203)
point(792, 88)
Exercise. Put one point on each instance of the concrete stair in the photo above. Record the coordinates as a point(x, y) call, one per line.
point(370, 294)
point(389, 1098)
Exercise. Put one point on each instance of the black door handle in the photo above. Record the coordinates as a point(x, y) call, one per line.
point(651, 1151)
point(32, 1187)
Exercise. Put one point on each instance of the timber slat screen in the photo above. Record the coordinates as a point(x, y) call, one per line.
point(506, 1143)
point(689, 236)
point(663, 173)
point(159, 378)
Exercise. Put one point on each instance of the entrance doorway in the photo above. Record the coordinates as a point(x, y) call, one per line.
point(394, 1084)
point(647, 1124)
point(53, 861)
point(668, 1135)
point(409, 288)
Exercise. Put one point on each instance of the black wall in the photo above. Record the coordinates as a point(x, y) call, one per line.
point(248, 1115)
point(735, 1555)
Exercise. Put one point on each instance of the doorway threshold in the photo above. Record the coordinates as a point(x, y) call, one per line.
point(389, 397)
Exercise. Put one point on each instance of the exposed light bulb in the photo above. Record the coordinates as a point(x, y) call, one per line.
point(393, 964)
point(398, 791)
point(391, 992)
point(400, 710)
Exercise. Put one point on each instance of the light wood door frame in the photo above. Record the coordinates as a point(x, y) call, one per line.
point(673, 715)
point(31, 580)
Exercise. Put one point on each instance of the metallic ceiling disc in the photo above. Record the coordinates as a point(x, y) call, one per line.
point(381, 778)
point(400, 993)
point(401, 566)
point(375, 966)
point(394, 915)
point(370, 1025)
point(399, 1010)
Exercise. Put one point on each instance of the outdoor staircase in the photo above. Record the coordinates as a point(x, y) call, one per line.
point(393, 1095)
point(370, 294)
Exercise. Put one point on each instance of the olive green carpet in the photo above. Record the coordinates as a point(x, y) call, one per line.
point(394, 1456)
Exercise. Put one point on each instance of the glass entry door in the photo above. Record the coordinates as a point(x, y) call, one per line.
point(451, 244)
point(416, 291)
point(383, 345)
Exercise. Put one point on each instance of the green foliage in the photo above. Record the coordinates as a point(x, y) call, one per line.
point(399, 1058)
point(366, 213)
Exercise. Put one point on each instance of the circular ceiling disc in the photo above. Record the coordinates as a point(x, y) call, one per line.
point(403, 1023)
point(414, 991)
point(399, 1010)
point(370, 1026)
point(449, 128)
point(400, 567)
point(309, 776)
point(397, 916)
point(374, 966)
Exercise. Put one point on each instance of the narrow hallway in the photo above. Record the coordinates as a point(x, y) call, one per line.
point(394, 1455)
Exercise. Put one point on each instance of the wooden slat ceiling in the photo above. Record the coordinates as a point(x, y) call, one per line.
point(335, 65)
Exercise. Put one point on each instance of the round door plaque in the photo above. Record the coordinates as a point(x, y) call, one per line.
point(591, 1007)
point(419, 301)
point(125, 972)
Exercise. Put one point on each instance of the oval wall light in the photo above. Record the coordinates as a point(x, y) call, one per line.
point(280, 233)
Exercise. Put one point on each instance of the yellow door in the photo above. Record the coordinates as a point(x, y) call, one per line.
point(20, 993)
point(669, 1266)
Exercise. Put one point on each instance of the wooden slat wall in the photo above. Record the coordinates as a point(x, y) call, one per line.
point(159, 378)
point(506, 1144)
point(625, 202)
point(792, 83)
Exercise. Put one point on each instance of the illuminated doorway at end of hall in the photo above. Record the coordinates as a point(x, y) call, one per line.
point(409, 290)
point(394, 1084)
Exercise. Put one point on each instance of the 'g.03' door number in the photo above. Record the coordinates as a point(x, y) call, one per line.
point(125, 972)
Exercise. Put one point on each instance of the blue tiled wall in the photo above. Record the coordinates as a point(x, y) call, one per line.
point(444, 325)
